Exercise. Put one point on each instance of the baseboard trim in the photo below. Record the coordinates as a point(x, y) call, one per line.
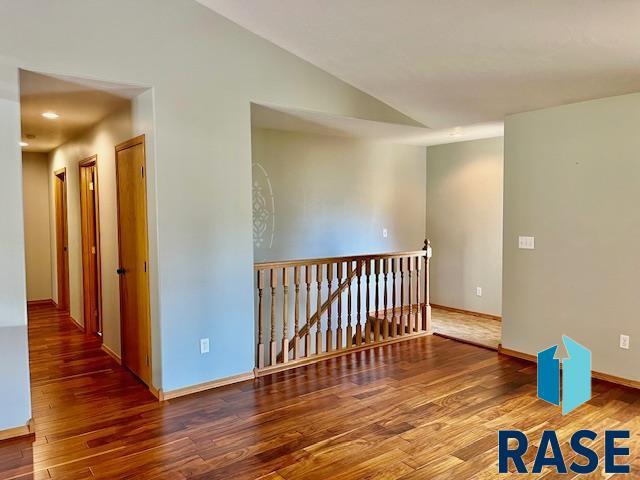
point(301, 362)
point(77, 324)
point(111, 353)
point(598, 375)
point(201, 387)
point(467, 312)
point(41, 303)
point(17, 432)
point(463, 340)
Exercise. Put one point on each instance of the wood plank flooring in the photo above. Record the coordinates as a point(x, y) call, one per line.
point(428, 408)
point(470, 328)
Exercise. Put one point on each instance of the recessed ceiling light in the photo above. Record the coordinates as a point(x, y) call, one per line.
point(50, 115)
point(24, 144)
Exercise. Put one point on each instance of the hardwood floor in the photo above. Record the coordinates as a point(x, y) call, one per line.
point(467, 327)
point(428, 408)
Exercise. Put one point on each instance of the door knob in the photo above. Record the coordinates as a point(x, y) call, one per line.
point(120, 271)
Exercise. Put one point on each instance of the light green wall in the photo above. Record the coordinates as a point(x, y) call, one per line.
point(464, 224)
point(334, 196)
point(572, 180)
point(205, 71)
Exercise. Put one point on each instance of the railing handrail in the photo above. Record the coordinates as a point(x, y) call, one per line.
point(326, 260)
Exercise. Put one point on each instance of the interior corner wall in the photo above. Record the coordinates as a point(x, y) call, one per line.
point(464, 224)
point(205, 72)
point(35, 181)
point(333, 196)
point(15, 397)
point(572, 177)
point(100, 140)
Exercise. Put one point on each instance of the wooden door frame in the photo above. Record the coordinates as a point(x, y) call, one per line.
point(61, 175)
point(139, 140)
point(92, 325)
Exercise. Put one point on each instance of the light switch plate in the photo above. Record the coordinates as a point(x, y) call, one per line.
point(479, 291)
point(385, 232)
point(204, 345)
point(526, 243)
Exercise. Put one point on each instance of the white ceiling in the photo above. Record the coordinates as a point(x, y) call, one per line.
point(459, 62)
point(280, 118)
point(80, 103)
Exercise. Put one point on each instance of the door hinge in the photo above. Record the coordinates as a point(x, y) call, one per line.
point(142, 171)
point(145, 267)
point(148, 360)
point(91, 186)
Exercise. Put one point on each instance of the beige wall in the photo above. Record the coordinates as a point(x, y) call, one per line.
point(101, 141)
point(464, 224)
point(334, 196)
point(35, 190)
point(572, 180)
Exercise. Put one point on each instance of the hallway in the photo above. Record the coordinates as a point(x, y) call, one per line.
point(360, 415)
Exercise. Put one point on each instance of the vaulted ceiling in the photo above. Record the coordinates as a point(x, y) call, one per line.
point(459, 62)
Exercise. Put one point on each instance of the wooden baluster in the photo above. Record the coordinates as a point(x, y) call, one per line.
point(394, 298)
point(285, 315)
point(318, 311)
point(410, 316)
point(419, 321)
point(307, 336)
point(426, 308)
point(329, 339)
point(376, 322)
point(402, 312)
point(272, 345)
point(296, 313)
point(385, 324)
point(349, 327)
point(339, 271)
point(260, 358)
point(367, 322)
point(359, 305)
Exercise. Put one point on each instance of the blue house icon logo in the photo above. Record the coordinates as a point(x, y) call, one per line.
point(576, 375)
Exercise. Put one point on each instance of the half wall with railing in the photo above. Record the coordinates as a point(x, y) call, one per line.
point(312, 309)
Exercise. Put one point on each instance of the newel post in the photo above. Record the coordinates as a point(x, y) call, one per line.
point(426, 306)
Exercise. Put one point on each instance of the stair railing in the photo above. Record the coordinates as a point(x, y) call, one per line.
point(360, 302)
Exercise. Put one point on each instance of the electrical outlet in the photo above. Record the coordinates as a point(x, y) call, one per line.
point(624, 342)
point(385, 233)
point(526, 243)
point(204, 345)
point(479, 291)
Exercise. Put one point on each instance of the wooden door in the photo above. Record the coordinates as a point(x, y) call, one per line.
point(90, 227)
point(133, 250)
point(62, 244)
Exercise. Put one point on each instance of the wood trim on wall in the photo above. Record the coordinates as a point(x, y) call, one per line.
point(42, 303)
point(17, 432)
point(467, 312)
point(91, 324)
point(201, 387)
point(599, 375)
point(111, 353)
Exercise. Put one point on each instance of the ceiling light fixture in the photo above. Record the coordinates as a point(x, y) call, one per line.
point(50, 115)
point(24, 144)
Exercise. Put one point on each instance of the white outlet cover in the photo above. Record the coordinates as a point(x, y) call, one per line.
point(479, 291)
point(385, 232)
point(204, 345)
point(624, 342)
